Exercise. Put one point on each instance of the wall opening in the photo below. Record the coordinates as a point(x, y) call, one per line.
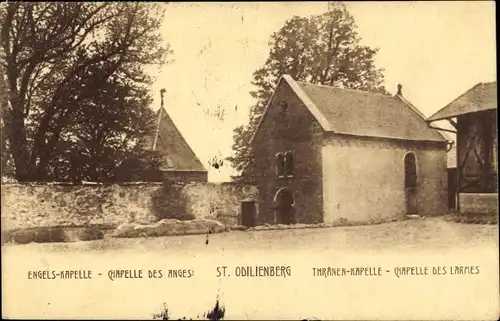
point(284, 207)
point(248, 213)
point(411, 183)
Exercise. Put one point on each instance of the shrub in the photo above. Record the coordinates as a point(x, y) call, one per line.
point(89, 234)
point(49, 235)
point(40, 235)
point(169, 203)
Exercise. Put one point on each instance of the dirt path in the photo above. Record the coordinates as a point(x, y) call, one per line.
point(429, 233)
point(413, 243)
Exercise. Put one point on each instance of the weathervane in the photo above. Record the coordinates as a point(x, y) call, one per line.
point(162, 91)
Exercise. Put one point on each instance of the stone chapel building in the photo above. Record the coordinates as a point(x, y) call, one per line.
point(325, 154)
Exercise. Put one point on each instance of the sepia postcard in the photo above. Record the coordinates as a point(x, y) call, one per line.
point(249, 160)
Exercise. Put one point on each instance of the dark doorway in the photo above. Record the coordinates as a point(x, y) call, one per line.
point(285, 213)
point(248, 213)
point(411, 182)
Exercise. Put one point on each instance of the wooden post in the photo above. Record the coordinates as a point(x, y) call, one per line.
point(457, 197)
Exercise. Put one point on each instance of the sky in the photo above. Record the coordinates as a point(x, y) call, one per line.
point(435, 50)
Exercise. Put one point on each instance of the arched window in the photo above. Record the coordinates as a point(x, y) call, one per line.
point(280, 164)
point(410, 170)
point(289, 166)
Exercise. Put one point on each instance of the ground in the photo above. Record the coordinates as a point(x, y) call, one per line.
point(431, 233)
point(428, 242)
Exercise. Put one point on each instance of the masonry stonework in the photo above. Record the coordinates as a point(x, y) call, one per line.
point(290, 129)
point(49, 205)
point(219, 201)
point(357, 156)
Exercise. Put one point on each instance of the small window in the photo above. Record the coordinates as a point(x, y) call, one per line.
point(289, 163)
point(280, 164)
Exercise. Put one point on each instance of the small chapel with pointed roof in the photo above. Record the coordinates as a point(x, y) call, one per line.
point(325, 154)
point(179, 161)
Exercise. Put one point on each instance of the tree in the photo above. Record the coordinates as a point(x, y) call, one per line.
point(106, 137)
point(324, 49)
point(77, 90)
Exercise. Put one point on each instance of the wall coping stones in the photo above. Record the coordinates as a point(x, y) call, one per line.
point(121, 184)
point(80, 184)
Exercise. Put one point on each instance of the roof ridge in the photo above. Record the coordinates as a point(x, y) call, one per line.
point(157, 131)
point(346, 89)
point(305, 93)
point(378, 98)
point(417, 111)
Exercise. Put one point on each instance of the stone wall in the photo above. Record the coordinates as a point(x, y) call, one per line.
point(295, 130)
point(363, 178)
point(220, 201)
point(476, 203)
point(32, 205)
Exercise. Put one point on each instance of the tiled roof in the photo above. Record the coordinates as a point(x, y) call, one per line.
point(481, 97)
point(176, 153)
point(362, 113)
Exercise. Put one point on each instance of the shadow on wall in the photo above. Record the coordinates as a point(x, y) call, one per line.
point(218, 201)
point(169, 202)
point(83, 205)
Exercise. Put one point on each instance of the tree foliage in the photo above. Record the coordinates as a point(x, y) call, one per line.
point(324, 49)
point(77, 92)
